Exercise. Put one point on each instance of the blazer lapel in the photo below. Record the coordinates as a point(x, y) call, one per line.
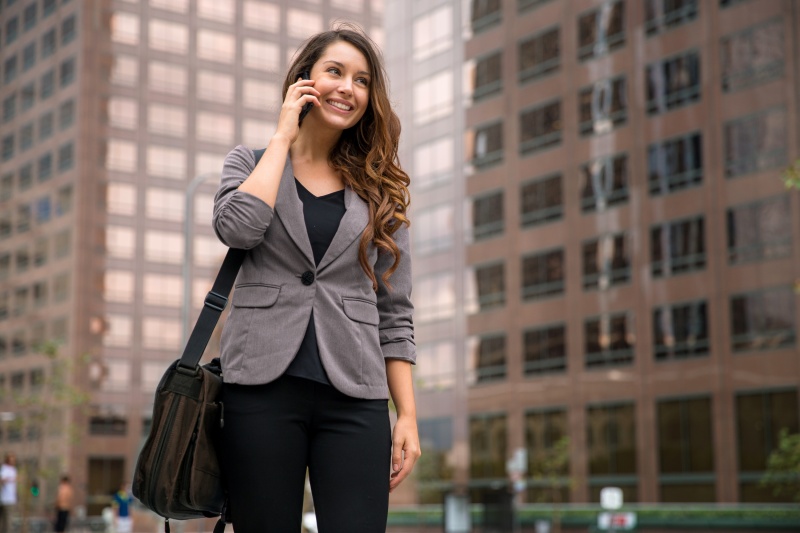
point(355, 219)
point(290, 210)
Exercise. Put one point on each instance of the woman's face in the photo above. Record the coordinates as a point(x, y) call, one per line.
point(343, 79)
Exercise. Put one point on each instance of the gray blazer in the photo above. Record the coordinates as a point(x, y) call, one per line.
point(278, 286)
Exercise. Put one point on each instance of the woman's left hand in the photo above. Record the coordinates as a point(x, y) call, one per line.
point(405, 449)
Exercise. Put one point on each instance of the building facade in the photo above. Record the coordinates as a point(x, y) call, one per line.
point(110, 108)
point(630, 254)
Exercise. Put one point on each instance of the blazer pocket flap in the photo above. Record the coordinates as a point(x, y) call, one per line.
point(361, 311)
point(256, 295)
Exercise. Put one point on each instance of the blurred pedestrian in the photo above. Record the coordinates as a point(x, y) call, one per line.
point(320, 332)
point(64, 496)
point(122, 505)
point(8, 491)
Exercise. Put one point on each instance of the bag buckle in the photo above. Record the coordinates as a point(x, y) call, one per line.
point(215, 301)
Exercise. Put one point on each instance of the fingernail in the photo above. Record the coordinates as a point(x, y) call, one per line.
point(396, 467)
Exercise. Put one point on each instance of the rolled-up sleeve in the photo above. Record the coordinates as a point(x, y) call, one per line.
point(240, 219)
point(396, 327)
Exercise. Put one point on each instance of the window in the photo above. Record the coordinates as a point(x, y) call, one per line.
point(45, 167)
point(63, 202)
point(433, 229)
point(543, 274)
point(433, 33)
point(29, 16)
point(159, 333)
point(118, 331)
point(61, 244)
point(28, 57)
point(433, 162)
point(163, 290)
point(48, 7)
point(756, 142)
point(26, 137)
point(680, 331)
point(433, 97)
point(606, 262)
point(540, 127)
point(121, 198)
point(488, 359)
point(302, 24)
point(170, 37)
point(12, 30)
point(486, 287)
point(675, 164)
point(261, 55)
point(259, 94)
point(40, 252)
point(164, 204)
point(169, 78)
point(5, 225)
point(487, 147)
point(6, 187)
point(166, 162)
point(215, 87)
point(673, 82)
point(253, 134)
point(217, 10)
point(605, 183)
point(167, 120)
point(65, 157)
point(48, 85)
point(123, 113)
point(487, 216)
point(176, 6)
point(610, 340)
point(261, 16)
point(541, 200)
point(546, 435)
point(26, 177)
point(10, 69)
point(611, 442)
point(662, 15)
point(760, 418)
point(9, 108)
point(68, 30)
point(116, 375)
point(46, 125)
point(487, 76)
point(545, 350)
point(753, 56)
point(686, 450)
point(436, 366)
point(8, 147)
point(603, 106)
point(163, 247)
point(4, 307)
point(22, 259)
point(217, 46)
point(44, 210)
point(434, 297)
point(678, 247)
point(61, 291)
point(48, 43)
point(108, 420)
point(39, 294)
point(522, 6)
point(125, 71)
point(488, 450)
point(120, 242)
point(485, 13)
point(27, 97)
point(21, 297)
point(601, 31)
point(763, 320)
point(760, 230)
point(436, 436)
point(24, 218)
point(539, 55)
point(215, 127)
point(67, 72)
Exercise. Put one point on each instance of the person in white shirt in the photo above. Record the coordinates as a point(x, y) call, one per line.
point(8, 491)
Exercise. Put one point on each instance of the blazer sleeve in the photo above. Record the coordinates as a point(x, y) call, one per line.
point(240, 219)
point(396, 326)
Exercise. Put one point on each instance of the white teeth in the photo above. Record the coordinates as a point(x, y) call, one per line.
point(340, 106)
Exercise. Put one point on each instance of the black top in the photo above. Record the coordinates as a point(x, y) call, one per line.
point(322, 215)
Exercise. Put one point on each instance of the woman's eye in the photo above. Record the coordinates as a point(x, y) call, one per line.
point(363, 81)
point(334, 70)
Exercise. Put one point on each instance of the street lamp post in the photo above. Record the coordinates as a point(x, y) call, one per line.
point(188, 249)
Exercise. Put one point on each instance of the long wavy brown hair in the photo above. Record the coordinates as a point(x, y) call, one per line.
point(366, 154)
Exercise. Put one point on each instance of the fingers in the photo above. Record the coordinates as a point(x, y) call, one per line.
point(403, 461)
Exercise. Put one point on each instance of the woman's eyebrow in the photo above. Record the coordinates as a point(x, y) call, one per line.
point(341, 66)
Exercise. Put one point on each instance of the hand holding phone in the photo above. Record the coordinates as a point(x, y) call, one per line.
point(306, 75)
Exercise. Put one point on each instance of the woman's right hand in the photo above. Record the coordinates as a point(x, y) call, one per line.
point(299, 94)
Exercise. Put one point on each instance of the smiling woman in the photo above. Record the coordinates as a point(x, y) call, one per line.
point(321, 330)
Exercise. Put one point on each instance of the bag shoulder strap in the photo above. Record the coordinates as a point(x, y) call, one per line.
point(215, 302)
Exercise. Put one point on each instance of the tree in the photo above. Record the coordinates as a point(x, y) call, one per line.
point(549, 469)
point(791, 176)
point(783, 467)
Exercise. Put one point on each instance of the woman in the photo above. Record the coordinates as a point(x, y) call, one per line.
point(320, 330)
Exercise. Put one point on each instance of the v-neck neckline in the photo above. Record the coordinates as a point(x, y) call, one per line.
point(314, 195)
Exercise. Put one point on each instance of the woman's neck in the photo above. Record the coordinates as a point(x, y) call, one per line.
point(314, 145)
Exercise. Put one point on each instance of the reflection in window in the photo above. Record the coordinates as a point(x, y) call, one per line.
point(606, 262)
point(611, 441)
point(673, 82)
point(610, 340)
point(760, 417)
point(433, 162)
point(602, 30)
point(487, 360)
point(488, 434)
point(433, 229)
point(603, 106)
point(675, 164)
point(763, 320)
point(760, 230)
point(541, 200)
point(543, 431)
point(661, 15)
point(540, 127)
point(545, 350)
point(436, 366)
point(487, 76)
point(434, 297)
point(433, 97)
point(433, 33)
point(752, 56)
point(168, 78)
point(543, 274)
point(120, 242)
point(487, 216)
point(485, 13)
point(605, 183)
point(486, 287)
point(539, 55)
point(487, 145)
point(168, 36)
point(678, 247)
point(680, 331)
point(756, 142)
point(686, 450)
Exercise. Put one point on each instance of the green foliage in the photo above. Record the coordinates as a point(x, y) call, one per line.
point(791, 176)
point(783, 467)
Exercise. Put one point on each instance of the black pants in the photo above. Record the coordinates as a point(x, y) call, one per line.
point(274, 432)
point(62, 518)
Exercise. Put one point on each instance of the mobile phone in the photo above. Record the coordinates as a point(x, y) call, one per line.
point(306, 75)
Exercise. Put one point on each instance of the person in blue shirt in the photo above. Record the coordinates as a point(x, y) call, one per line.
point(122, 504)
